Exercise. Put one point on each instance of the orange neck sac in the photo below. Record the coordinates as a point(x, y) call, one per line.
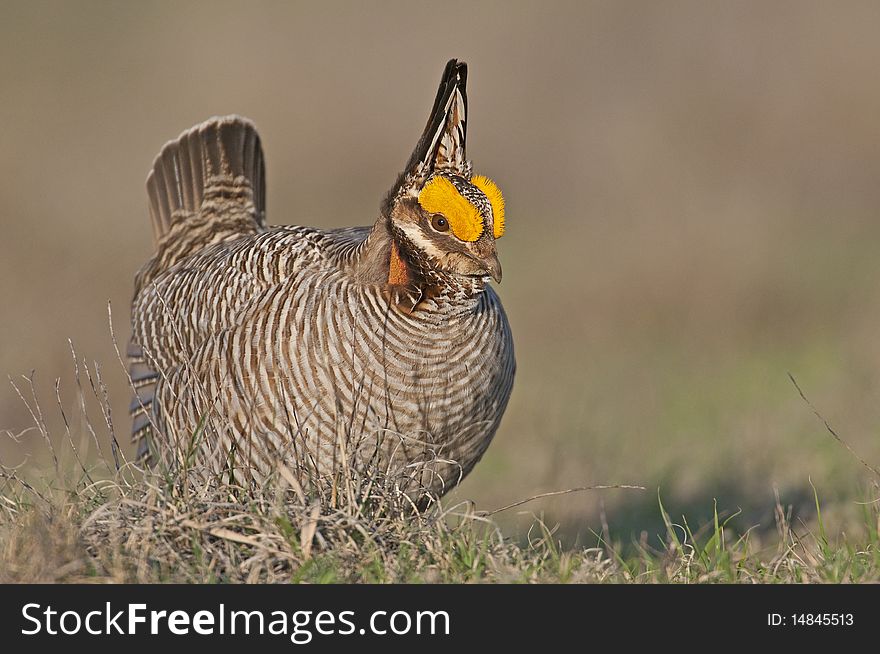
point(398, 271)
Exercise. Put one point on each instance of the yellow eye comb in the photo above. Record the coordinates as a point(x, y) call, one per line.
point(492, 192)
point(441, 196)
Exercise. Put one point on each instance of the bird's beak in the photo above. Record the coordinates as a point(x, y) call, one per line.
point(484, 254)
point(493, 266)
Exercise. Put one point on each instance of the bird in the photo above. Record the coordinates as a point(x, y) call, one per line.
point(381, 351)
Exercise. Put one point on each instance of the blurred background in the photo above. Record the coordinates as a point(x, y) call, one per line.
point(693, 194)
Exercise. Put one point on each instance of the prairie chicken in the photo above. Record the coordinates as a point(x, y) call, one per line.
point(378, 348)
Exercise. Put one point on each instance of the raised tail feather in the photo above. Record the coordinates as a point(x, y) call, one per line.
point(221, 159)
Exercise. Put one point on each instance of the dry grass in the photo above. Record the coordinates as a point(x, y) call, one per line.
point(114, 521)
point(142, 532)
point(109, 521)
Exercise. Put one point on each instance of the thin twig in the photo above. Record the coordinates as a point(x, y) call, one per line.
point(831, 429)
point(560, 492)
point(67, 430)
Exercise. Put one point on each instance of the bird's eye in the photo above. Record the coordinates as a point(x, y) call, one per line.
point(439, 223)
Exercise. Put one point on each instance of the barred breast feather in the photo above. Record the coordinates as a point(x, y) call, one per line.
point(254, 345)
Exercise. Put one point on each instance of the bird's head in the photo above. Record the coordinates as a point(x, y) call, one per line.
point(440, 214)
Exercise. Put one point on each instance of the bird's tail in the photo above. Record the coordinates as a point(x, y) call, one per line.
point(211, 167)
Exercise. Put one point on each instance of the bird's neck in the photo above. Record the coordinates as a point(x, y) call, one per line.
point(388, 259)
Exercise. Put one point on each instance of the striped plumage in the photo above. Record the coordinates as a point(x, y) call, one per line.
point(365, 348)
